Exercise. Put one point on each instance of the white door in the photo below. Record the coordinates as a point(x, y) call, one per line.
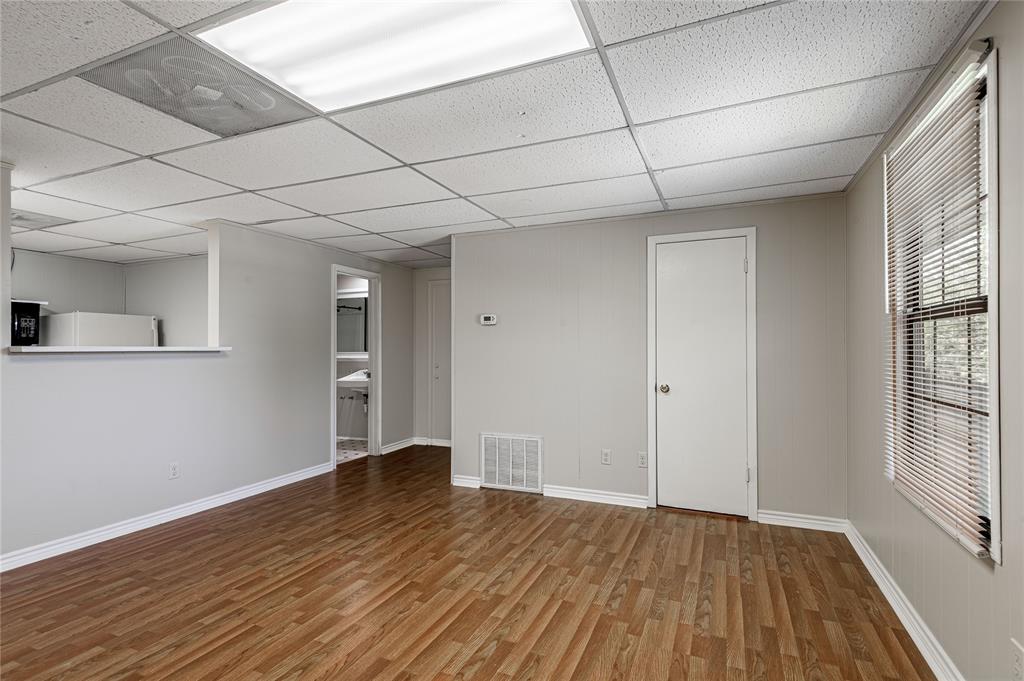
point(440, 293)
point(701, 370)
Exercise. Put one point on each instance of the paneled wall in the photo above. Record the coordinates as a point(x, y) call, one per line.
point(567, 358)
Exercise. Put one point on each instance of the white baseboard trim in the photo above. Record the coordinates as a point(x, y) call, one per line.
point(597, 496)
point(803, 521)
point(32, 554)
point(410, 441)
point(935, 655)
point(466, 481)
point(395, 446)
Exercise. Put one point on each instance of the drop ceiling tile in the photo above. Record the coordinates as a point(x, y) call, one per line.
point(41, 153)
point(588, 214)
point(310, 228)
point(562, 99)
point(424, 264)
point(439, 235)
point(862, 108)
point(135, 186)
point(43, 39)
point(180, 13)
point(186, 244)
point(781, 49)
point(607, 154)
point(418, 215)
point(833, 159)
point(442, 249)
point(779, 191)
point(122, 229)
point(81, 107)
point(361, 243)
point(48, 242)
point(245, 208)
point(618, 20)
point(400, 254)
point(119, 254)
point(372, 190)
point(610, 192)
point(24, 199)
point(289, 154)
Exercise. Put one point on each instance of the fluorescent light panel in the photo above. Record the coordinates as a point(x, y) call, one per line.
point(343, 53)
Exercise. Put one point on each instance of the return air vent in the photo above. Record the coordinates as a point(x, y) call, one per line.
point(26, 219)
point(187, 82)
point(510, 461)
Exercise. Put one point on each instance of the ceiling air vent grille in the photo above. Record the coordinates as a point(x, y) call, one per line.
point(185, 81)
point(511, 461)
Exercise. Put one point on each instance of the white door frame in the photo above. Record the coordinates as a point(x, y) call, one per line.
point(375, 416)
point(652, 345)
point(430, 360)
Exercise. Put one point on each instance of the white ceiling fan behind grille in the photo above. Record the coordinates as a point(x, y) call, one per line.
point(511, 461)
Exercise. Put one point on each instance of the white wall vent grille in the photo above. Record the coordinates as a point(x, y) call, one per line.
point(511, 461)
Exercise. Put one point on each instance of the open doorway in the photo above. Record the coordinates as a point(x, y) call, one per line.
point(355, 345)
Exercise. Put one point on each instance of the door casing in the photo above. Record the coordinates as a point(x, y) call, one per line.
point(750, 233)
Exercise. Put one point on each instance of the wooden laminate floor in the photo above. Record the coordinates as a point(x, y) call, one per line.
point(381, 571)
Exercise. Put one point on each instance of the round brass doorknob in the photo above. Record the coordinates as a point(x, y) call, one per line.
point(664, 388)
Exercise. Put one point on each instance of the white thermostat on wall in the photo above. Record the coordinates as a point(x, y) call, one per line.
point(488, 319)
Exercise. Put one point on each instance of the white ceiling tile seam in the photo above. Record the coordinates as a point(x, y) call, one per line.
point(314, 242)
point(702, 22)
point(769, 151)
point(71, 73)
point(584, 11)
point(786, 95)
point(558, 184)
point(576, 210)
point(8, 112)
point(760, 186)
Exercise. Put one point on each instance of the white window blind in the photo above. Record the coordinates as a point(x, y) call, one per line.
point(941, 407)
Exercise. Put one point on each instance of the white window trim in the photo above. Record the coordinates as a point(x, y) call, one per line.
point(989, 64)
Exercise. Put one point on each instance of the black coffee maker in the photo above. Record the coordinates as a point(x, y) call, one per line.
point(25, 322)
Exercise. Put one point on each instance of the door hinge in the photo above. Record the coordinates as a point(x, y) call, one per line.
point(748, 474)
point(745, 265)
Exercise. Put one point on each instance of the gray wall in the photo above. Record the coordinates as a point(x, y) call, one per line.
point(86, 441)
point(421, 338)
point(69, 284)
point(972, 606)
point(173, 290)
point(567, 358)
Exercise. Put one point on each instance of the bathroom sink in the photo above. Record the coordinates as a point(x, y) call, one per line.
point(357, 379)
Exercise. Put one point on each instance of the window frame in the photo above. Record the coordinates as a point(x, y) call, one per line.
point(983, 53)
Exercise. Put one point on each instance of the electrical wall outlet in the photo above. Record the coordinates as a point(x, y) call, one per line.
point(174, 470)
point(1017, 661)
point(641, 459)
point(606, 457)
